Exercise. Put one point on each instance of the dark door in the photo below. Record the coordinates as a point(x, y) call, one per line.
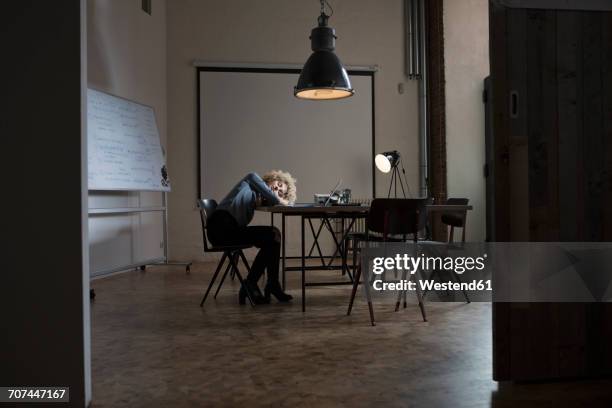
point(551, 73)
point(489, 168)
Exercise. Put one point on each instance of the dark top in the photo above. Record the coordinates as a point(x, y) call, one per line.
point(241, 201)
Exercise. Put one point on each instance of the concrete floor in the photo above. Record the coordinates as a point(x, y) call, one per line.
point(153, 346)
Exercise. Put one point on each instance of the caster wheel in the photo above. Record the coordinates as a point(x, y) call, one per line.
point(92, 294)
point(143, 267)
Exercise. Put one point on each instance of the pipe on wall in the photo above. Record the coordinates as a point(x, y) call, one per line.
point(423, 146)
point(409, 33)
point(413, 11)
point(416, 63)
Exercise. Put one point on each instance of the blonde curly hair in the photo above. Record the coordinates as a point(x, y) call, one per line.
point(285, 177)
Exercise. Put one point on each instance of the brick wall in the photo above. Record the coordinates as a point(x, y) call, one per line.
point(436, 120)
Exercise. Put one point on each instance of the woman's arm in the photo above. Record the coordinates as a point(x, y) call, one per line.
point(259, 186)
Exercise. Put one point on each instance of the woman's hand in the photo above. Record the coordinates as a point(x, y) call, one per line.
point(280, 196)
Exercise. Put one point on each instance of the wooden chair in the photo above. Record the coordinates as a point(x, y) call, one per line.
point(231, 253)
point(390, 217)
point(455, 219)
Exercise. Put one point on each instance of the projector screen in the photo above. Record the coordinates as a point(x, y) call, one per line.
point(249, 120)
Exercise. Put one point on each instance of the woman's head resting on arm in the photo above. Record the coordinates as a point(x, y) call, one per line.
point(282, 184)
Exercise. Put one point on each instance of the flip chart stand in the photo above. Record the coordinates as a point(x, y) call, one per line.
point(187, 265)
point(150, 262)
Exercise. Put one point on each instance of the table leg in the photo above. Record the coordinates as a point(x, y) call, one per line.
point(315, 242)
point(339, 243)
point(345, 259)
point(303, 267)
point(331, 231)
point(271, 224)
point(283, 255)
point(366, 287)
point(312, 247)
point(342, 249)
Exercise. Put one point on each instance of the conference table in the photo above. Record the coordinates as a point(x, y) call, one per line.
point(347, 215)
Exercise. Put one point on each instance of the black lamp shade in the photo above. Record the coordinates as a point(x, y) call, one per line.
point(323, 76)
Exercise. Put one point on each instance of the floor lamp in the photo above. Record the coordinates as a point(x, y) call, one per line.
point(390, 162)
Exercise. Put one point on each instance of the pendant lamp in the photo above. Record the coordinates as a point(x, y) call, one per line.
point(323, 76)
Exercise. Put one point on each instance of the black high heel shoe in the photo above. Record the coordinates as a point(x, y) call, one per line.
point(253, 290)
point(276, 290)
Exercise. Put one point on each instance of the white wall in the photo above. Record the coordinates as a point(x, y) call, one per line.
point(127, 58)
point(319, 142)
point(466, 54)
point(277, 31)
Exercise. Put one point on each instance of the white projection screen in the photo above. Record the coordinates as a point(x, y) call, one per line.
point(250, 121)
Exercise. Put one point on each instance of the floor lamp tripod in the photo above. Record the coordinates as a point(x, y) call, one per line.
point(390, 162)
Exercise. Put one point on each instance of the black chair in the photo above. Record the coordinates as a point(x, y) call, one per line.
point(230, 252)
point(455, 219)
point(390, 217)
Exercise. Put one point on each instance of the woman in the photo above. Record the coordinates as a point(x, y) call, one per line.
point(228, 225)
